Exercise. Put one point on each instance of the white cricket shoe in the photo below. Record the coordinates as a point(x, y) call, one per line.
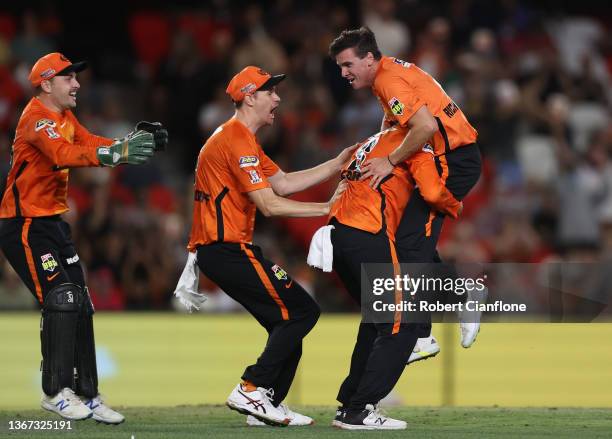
point(469, 331)
point(257, 403)
point(102, 412)
point(67, 405)
point(371, 418)
point(296, 419)
point(469, 321)
point(425, 348)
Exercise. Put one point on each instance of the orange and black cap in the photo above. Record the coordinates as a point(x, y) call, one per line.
point(249, 80)
point(51, 65)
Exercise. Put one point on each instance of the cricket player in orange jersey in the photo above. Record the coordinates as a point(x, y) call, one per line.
point(234, 177)
point(365, 223)
point(412, 99)
point(49, 141)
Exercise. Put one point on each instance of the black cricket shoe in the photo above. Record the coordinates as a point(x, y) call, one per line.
point(339, 419)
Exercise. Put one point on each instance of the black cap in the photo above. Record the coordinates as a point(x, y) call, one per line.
point(74, 67)
point(274, 80)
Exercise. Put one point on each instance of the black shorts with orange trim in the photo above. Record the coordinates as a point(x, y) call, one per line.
point(274, 298)
point(381, 349)
point(41, 252)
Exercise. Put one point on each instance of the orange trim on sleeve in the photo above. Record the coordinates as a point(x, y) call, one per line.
point(266, 281)
point(30, 259)
point(397, 318)
point(443, 177)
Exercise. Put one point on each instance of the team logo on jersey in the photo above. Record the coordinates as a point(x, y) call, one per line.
point(42, 123)
point(48, 262)
point(248, 160)
point(279, 272)
point(254, 176)
point(428, 148)
point(353, 172)
point(396, 106)
point(51, 133)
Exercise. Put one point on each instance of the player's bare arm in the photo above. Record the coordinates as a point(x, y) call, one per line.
point(285, 184)
point(271, 204)
point(421, 128)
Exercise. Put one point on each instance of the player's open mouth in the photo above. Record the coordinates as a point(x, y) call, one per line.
point(272, 111)
point(351, 80)
point(73, 94)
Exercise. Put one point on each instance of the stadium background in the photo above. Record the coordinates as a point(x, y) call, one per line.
point(533, 77)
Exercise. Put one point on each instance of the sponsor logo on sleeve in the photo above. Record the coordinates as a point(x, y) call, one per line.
point(401, 62)
point(248, 160)
point(428, 148)
point(42, 123)
point(254, 176)
point(48, 262)
point(396, 106)
point(51, 133)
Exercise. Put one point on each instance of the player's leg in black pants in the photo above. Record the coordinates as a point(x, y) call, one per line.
point(381, 349)
point(37, 248)
point(385, 364)
point(420, 226)
point(278, 303)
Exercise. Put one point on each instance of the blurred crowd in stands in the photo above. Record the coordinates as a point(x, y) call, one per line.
point(533, 78)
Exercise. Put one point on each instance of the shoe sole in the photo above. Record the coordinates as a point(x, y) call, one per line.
point(66, 417)
point(424, 357)
point(100, 421)
point(344, 426)
point(289, 425)
point(267, 421)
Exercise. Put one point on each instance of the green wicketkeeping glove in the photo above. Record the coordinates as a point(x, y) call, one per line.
point(160, 134)
point(134, 149)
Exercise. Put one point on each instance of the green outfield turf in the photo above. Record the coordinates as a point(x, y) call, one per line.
point(170, 359)
point(207, 421)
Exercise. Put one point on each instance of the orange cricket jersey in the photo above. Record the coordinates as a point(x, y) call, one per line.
point(230, 165)
point(402, 88)
point(371, 210)
point(46, 144)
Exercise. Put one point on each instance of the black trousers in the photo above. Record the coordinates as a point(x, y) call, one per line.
point(42, 253)
point(381, 349)
point(420, 227)
point(276, 301)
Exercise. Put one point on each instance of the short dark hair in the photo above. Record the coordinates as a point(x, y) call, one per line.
point(362, 40)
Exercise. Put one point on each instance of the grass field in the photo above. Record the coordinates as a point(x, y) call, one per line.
point(148, 359)
point(208, 421)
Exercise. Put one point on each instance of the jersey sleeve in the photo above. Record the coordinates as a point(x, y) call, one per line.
point(423, 169)
point(82, 136)
point(400, 97)
point(249, 165)
point(42, 133)
point(268, 166)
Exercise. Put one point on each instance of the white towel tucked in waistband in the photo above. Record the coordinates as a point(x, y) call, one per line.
point(187, 286)
point(321, 253)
